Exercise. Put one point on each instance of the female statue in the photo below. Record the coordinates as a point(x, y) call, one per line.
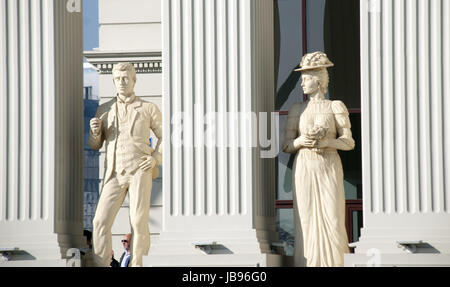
point(315, 130)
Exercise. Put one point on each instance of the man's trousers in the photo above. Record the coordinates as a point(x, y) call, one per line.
point(138, 186)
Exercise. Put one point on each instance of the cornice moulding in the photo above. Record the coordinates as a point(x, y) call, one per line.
point(145, 62)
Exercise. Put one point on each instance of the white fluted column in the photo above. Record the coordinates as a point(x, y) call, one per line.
point(406, 131)
point(218, 59)
point(41, 181)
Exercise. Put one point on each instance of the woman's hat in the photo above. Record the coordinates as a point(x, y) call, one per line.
point(313, 61)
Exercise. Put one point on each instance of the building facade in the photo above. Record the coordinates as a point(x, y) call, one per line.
point(203, 58)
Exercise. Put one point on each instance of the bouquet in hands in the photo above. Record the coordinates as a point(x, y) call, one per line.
point(317, 133)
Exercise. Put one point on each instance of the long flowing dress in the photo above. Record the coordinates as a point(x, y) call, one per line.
point(318, 183)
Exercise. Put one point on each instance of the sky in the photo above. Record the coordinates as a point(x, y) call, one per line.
point(90, 34)
point(90, 23)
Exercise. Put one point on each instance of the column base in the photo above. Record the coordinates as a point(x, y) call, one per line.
point(226, 242)
point(397, 260)
point(387, 240)
point(19, 260)
point(35, 263)
point(401, 247)
point(39, 250)
point(225, 260)
point(214, 248)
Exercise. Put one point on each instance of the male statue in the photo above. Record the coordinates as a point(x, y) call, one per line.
point(124, 124)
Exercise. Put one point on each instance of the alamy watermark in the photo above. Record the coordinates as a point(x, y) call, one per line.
point(73, 6)
point(374, 255)
point(374, 6)
point(73, 258)
point(227, 130)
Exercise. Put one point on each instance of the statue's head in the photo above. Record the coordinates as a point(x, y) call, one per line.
point(314, 72)
point(124, 77)
point(314, 80)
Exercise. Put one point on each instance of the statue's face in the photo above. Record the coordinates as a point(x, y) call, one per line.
point(310, 84)
point(124, 82)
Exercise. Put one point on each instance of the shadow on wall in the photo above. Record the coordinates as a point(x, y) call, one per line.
point(426, 248)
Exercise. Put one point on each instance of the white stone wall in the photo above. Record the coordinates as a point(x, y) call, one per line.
point(405, 126)
point(124, 24)
point(218, 59)
point(41, 156)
